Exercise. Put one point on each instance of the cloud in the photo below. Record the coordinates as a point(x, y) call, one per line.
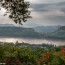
point(47, 7)
point(48, 14)
point(43, 12)
point(59, 20)
point(44, 1)
point(4, 19)
point(63, 9)
point(39, 7)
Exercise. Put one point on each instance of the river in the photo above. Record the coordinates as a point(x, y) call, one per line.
point(34, 41)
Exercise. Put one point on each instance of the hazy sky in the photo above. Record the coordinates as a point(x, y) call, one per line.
point(43, 12)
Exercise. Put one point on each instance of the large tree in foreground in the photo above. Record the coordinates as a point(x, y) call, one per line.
point(18, 10)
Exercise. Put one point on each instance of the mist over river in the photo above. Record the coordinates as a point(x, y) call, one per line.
point(33, 41)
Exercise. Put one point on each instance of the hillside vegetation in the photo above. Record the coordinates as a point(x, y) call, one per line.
point(18, 32)
point(58, 34)
point(46, 29)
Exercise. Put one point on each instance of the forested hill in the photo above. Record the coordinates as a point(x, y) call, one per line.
point(46, 29)
point(18, 32)
point(31, 33)
point(62, 28)
point(58, 34)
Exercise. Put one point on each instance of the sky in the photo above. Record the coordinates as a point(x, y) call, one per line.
point(43, 12)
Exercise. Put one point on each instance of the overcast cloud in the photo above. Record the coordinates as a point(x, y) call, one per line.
point(43, 12)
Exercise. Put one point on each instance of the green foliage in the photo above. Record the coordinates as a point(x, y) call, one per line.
point(48, 46)
point(11, 54)
point(18, 10)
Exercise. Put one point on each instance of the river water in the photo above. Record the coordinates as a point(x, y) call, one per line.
point(34, 41)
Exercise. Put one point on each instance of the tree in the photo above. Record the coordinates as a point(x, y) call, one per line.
point(18, 10)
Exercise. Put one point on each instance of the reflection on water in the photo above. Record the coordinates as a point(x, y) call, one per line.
point(33, 41)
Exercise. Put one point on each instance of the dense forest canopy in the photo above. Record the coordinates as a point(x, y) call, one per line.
point(18, 10)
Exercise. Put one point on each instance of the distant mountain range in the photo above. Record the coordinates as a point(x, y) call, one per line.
point(46, 29)
point(50, 32)
point(39, 29)
point(18, 32)
point(7, 25)
point(58, 34)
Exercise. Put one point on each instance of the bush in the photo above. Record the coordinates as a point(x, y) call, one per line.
point(13, 55)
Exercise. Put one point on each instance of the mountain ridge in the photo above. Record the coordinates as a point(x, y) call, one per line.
point(46, 29)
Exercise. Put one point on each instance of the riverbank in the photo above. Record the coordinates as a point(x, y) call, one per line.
point(33, 41)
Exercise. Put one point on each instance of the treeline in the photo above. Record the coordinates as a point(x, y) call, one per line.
point(58, 34)
point(19, 32)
